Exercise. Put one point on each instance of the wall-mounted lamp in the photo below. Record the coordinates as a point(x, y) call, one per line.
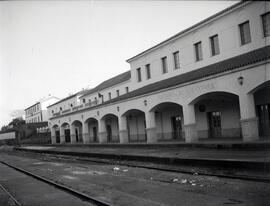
point(98, 113)
point(240, 80)
point(118, 108)
point(82, 116)
point(145, 102)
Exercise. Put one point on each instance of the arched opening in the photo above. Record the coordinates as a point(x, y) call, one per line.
point(262, 102)
point(65, 134)
point(92, 132)
point(112, 127)
point(56, 133)
point(136, 125)
point(76, 133)
point(217, 116)
point(169, 121)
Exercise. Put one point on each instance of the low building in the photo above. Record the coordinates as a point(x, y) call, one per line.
point(38, 111)
point(210, 81)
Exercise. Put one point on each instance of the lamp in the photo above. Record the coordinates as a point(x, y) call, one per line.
point(240, 80)
point(118, 108)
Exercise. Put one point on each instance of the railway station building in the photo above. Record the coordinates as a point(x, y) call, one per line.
point(210, 81)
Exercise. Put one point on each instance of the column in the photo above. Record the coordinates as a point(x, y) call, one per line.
point(190, 124)
point(102, 131)
point(151, 127)
point(62, 135)
point(72, 134)
point(123, 132)
point(85, 131)
point(249, 121)
point(53, 136)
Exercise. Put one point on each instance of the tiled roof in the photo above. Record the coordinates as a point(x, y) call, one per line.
point(110, 82)
point(69, 97)
point(223, 66)
point(188, 29)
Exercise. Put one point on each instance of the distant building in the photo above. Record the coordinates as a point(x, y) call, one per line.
point(38, 111)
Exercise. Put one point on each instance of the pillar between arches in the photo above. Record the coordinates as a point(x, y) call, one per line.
point(190, 124)
point(53, 136)
point(151, 127)
point(123, 132)
point(249, 121)
point(72, 134)
point(85, 133)
point(102, 131)
point(62, 135)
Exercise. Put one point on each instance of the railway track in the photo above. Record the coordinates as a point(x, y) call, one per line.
point(158, 167)
point(73, 192)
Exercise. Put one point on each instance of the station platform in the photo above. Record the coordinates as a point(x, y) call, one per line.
point(248, 159)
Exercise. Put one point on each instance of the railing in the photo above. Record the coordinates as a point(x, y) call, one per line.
point(76, 108)
point(56, 114)
point(171, 136)
point(66, 111)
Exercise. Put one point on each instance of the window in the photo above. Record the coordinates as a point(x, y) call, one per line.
point(60, 108)
point(109, 96)
point(52, 111)
point(126, 89)
point(176, 60)
point(245, 33)
point(96, 100)
point(214, 45)
point(266, 24)
point(83, 100)
point(117, 93)
point(139, 75)
point(147, 71)
point(198, 51)
point(164, 65)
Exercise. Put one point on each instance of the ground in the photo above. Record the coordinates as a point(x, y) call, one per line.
point(122, 185)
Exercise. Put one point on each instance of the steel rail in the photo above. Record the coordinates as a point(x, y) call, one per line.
point(10, 195)
point(74, 192)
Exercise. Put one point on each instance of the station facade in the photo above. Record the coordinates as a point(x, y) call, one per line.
point(210, 81)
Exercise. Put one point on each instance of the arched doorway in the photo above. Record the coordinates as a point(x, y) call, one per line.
point(65, 133)
point(262, 102)
point(92, 132)
point(217, 116)
point(56, 133)
point(136, 125)
point(112, 127)
point(76, 133)
point(169, 121)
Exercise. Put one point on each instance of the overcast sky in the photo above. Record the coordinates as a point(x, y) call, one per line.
point(60, 47)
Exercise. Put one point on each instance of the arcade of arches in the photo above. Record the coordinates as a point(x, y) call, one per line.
point(211, 116)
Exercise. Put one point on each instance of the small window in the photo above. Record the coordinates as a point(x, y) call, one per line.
point(83, 100)
point(266, 24)
point(60, 108)
point(176, 60)
point(71, 105)
point(148, 71)
point(117, 93)
point(214, 45)
point(164, 65)
point(198, 51)
point(245, 33)
point(52, 111)
point(109, 96)
point(96, 100)
point(127, 90)
point(139, 75)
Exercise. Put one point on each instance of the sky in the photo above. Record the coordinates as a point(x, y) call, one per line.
point(60, 47)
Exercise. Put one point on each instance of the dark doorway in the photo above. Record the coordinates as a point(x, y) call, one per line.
point(77, 135)
point(264, 119)
point(57, 136)
point(95, 134)
point(214, 121)
point(67, 135)
point(177, 127)
point(109, 132)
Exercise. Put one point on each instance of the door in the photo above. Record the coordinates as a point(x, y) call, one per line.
point(177, 127)
point(57, 136)
point(95, 134)
point(77, 135)
point(214, 121)
point(67, 135)
point(109, 132)
point(264, 119)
